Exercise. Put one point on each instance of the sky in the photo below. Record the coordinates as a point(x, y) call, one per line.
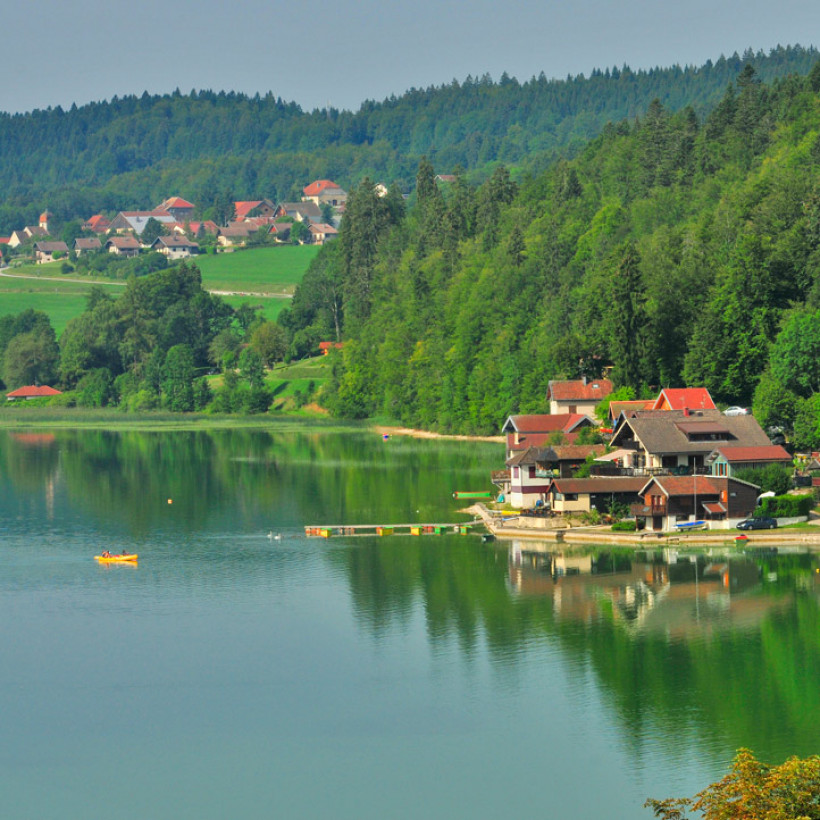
point(341, 53)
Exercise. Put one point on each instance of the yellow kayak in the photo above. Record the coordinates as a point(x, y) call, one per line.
point(130, 558)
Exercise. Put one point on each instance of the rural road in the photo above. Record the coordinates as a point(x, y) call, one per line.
point(260, 295)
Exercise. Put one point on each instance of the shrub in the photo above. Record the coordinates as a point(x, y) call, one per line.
point(785, 506)
point(624, 526)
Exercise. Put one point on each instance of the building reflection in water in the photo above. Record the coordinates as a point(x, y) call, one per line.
point(668, 592)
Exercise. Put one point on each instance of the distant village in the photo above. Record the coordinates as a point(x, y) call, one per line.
point(669, 463)
point(178, 235)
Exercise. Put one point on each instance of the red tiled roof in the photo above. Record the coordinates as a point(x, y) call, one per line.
point(4, 240)
point(316, 188)
point(177, 202)
point(685, 398)
point(592, 390)
point(244, 207)
point(737, 454)
point(31, 391)
point(686, 484)
point(544, 423)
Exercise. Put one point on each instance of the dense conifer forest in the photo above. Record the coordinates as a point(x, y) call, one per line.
point(675, 249)
point(133, 152)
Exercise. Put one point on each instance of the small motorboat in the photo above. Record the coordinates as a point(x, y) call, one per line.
point(123, 558)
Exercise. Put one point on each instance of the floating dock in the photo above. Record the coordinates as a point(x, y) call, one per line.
point(326, 531)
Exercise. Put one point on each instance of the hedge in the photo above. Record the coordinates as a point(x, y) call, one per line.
point(784, 506)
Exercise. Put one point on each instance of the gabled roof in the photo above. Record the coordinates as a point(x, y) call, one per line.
point(571, 452)
point(544, 423)
point(663, 432)
point(244, 207)
point(599, 484)
point(174, 202)
point(32, 391)
point(738, 455)
point(124, 243)
point(310, 209)
point(97, 223)
point(85, 243)
point(703, 485)
point(51, 247)
point(685, 398)
point(322, 227)
point(627, 408)
point(174, 241)
point(316, 188)
point(579, 390)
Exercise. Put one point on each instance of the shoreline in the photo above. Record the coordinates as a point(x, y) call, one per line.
point(602, 535)
point(429, 434)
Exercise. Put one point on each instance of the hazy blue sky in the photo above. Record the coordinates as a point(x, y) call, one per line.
point(341, 53)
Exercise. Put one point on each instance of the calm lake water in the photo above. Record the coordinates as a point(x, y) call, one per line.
point(230, 675)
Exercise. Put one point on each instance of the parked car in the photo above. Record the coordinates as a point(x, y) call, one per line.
point(757, 524)
point(735, 411)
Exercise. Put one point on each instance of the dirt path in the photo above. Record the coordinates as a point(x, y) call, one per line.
point(253, 294)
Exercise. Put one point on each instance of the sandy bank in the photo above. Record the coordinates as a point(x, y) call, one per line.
point(409, 431)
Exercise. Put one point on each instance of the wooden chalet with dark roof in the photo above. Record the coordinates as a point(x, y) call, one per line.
point(44, 251)
point(123, 245)
point(679, 441)
point(179, 208)
point(87, 244)
point(668, 501)
point(579, 495)
point(246, 209)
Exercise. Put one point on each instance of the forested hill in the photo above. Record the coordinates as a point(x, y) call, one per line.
point(133, 152)
point(680, 251)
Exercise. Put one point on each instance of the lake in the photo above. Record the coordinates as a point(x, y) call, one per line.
point(233, 675)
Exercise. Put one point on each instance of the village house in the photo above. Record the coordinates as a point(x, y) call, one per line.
point(236, 234)
point(97, 223)
point(669, 501)
point(44, 252)
point(577, 396)
point(32, 391)
point(300, 211)
point(175, 246)
point(321, 232)
point(601, 493)
point(83, 244)
point(324, 191)
point(248, 209)
point(198, 229)
point(525, 431)
point(123, 246)
point(727, 460)
point(135, 221)
point(679, 441)
point(180, 209)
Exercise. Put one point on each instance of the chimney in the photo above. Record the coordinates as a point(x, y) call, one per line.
point(584, 380)
point(685, 411)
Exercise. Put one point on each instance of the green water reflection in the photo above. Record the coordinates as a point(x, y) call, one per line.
point(691, 656)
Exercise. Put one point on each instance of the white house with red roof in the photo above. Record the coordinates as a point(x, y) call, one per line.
point(324, 191)
point(541, 430)
point(577, 395)
point(32, 391)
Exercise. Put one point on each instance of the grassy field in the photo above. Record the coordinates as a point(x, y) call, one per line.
point(259, 270)
point(61, 300)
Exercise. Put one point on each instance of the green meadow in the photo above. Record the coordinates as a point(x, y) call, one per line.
point(276, 269)
point(242, 274)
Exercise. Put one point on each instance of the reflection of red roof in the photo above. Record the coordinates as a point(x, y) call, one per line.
point(316, 188)
point(36, 439)
point(32, 391)
point(578, 389)
point(684, 398)
point(773, 453)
